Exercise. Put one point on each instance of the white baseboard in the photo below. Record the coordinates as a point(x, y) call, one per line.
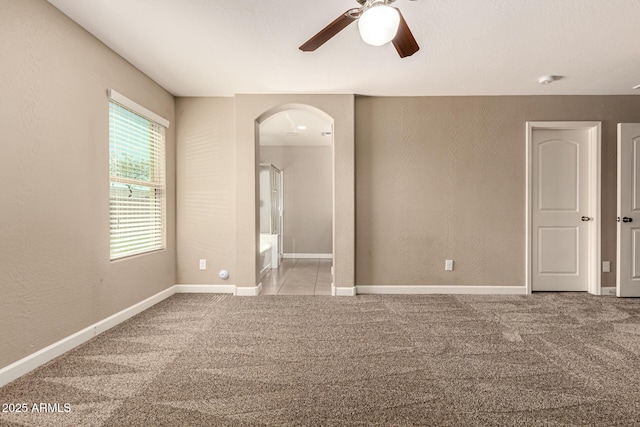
point(40, 357)
point(206, 289)
point(220, 289)
point(324, 256)
point(248, 291)
point(345, 291)
point(422, 289)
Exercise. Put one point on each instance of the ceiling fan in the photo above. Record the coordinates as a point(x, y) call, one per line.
point(378, 23)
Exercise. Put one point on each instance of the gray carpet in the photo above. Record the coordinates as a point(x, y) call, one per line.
point(541, 360)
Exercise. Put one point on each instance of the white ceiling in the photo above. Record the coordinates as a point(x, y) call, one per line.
point(296, 127)
point(468, 47)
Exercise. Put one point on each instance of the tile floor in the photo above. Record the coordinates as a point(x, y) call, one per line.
point(299, 277)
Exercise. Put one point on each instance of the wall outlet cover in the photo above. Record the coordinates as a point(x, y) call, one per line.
point(448, 265)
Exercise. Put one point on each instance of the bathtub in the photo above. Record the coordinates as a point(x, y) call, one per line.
point(272, 240)
point(265, 257)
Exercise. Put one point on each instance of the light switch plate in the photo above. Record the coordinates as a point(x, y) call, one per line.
point(203, 264)
point(448, 265)
point(606, 266)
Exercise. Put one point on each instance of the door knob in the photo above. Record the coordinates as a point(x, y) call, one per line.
point(586, 218)
point(627, 219)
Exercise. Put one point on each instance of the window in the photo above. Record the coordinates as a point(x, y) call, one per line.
point(137, 190)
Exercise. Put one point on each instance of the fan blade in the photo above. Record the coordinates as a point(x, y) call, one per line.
point(405, 43)
point(327, 32)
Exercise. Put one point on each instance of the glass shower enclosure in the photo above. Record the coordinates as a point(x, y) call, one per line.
point(271, 216)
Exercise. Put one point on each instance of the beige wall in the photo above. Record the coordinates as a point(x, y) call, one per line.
point(308, 208)
point(206, 189)
point(55, 273)
point(444, 178)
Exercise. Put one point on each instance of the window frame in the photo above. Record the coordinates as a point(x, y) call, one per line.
point(149, 209)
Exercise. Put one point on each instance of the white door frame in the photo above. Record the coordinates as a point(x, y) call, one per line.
point(594, 251)
point(627, 179)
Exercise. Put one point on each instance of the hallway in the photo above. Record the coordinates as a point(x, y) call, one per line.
point(299, 277)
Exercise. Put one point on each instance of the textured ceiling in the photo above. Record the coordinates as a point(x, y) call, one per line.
point(468, 47)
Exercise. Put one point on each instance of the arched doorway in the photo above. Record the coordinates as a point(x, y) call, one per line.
point(295, 194)
point(250, 111)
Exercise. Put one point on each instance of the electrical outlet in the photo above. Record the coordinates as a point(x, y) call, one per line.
point(203, 264)
point(606, 266)
point(448, 265)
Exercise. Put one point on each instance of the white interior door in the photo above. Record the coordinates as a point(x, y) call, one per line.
point(628, 242)
point(560, 209)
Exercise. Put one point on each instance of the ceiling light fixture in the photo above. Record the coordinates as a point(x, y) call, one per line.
point(545, 80)
point(301, 127)
point(378, 24)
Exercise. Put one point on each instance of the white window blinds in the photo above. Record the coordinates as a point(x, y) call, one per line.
point(136, 180)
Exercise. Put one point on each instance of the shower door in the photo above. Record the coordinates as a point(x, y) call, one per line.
point(276, 207)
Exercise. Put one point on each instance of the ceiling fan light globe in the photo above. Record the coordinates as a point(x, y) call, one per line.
point(379, 24)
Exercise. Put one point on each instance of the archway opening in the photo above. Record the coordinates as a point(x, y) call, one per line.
point(295, 197)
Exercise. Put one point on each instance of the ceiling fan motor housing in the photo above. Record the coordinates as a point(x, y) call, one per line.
point(362, 2)
point(403, 40)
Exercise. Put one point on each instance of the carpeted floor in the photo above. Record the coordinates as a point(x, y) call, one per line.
point(211, 360)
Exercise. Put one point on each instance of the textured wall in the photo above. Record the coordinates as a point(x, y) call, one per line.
point(205, 166)
point(55, 273)
point(444, 178)
point(308, 208)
